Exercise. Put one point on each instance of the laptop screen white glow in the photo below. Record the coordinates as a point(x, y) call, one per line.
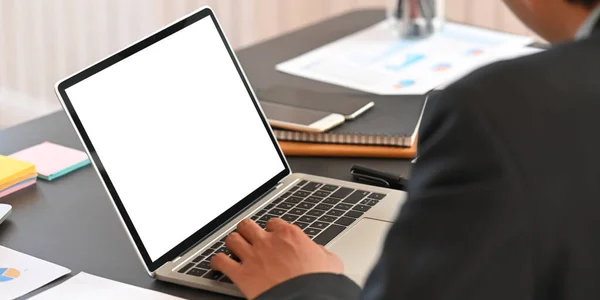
point(177, 133)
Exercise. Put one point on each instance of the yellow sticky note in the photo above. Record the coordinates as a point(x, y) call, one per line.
point(12, 169)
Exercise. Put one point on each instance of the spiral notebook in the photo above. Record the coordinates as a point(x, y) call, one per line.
point(393, 121)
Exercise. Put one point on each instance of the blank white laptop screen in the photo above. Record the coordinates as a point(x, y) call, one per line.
point(177, 134)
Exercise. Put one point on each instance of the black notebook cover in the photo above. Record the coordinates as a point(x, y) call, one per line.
point(393, 121)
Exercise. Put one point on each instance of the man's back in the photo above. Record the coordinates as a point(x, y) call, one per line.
point(509, 182)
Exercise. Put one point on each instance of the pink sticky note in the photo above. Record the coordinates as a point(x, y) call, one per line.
point(52, 160)
point(17, 187)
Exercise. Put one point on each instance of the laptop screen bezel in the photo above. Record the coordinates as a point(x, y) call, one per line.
point(205, 231)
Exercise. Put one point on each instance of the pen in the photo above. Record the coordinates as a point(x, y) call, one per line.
point(378, 178)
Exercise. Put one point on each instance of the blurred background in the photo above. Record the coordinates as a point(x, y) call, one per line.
point(42, 41)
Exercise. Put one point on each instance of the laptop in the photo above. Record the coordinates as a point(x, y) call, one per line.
point(185, 152)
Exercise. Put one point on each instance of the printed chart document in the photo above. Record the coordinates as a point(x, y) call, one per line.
point(375, 60)
point(21, 273)
point(492, 58)
point(90, 287)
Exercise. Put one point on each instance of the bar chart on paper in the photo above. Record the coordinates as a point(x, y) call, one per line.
point(376, 61)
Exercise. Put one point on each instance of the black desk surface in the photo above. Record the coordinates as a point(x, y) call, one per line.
point(71, 221)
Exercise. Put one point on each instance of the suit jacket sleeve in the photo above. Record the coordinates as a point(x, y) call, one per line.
point(458, 235)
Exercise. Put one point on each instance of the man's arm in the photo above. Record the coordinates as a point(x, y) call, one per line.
point(462, 234)
point(324, 286)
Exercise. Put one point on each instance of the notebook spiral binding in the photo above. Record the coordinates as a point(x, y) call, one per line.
point(351, 139)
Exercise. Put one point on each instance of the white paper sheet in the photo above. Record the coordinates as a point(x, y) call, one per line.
point(90, 287)
point(496, 57)
point(21, 273)
point(374, 60)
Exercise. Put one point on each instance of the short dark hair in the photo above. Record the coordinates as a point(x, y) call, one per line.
point(588, 3)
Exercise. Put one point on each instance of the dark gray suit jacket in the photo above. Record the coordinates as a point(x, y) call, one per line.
point(504, 201)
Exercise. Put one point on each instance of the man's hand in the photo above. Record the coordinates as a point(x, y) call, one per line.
point(270, 257)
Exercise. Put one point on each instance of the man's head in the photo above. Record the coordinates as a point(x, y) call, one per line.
point(554, 20)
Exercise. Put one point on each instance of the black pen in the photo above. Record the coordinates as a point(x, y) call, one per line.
point(378, 178)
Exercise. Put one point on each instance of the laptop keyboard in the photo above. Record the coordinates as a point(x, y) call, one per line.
point(321, 210)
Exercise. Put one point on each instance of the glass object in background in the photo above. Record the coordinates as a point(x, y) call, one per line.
point(414, 19)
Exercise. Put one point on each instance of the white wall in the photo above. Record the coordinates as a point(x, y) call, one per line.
point(42, 41)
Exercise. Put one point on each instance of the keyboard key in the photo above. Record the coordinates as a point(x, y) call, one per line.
point(362, 208)
point(313, 199)
point(303, 182)
point(307, 219)
point(335, 213)
point(214, 275)
point(342, 193)
point(365, 202)
point(328, 219)
point(289, 218)
point(372, 202)
point(198, 258)
point(186, 267)
point(286, 195)
point(297, 211)
point(321, 193)
point(278, 200)
point(262, 224)
point(324, 206)
point(277, 211)
point(344, 221)
point(254, 218)
point(343, 206)
point(312, 231)
point(356, 197)
point(204, 265)
point(319, 225)
point(207, 252)
point(377, 196)
point(302, 194)
point(210, 257)
point(266, 218)
point(315, 213)
point(216, 245)
point(260, 213)
point(328, 235)
point(269, 206)
point(331, 201)
point(305, 205)
point(223, 250)
point(312, 186)
point(330, 188)
point(226, 280)
point(353, 214)
point(294, 200)
point(294, 189)
point(196, 272)
point(301, 224)
point(285, 205)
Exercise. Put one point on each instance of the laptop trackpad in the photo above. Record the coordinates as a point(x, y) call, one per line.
point(360, 248)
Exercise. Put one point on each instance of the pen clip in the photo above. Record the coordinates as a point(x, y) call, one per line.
point(369, 178)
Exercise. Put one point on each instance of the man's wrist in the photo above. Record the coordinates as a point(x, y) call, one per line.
point(314, 286)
